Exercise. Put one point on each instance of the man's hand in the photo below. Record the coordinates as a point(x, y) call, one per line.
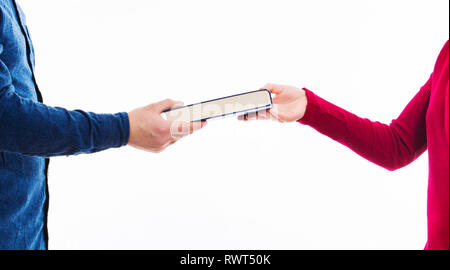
point(289, 104)
point(150, 132)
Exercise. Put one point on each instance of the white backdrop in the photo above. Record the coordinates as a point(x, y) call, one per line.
point(234, 185)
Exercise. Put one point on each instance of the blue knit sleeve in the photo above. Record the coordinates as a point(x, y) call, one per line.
point(32, 128)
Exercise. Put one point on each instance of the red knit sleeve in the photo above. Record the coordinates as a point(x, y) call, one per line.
point(390, 146)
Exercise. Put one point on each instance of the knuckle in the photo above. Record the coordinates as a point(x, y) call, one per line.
point(161, 141)
point(161, 129)
point(160, 148)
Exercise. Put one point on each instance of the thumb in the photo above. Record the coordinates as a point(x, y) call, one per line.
point(275, 111)
point(166, 104)
point(275, 88)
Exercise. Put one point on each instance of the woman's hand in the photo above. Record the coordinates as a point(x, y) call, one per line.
point(289, 104)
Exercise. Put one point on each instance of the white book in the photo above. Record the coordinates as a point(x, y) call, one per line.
point(232, 105)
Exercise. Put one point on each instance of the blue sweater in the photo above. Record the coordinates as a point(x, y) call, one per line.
point(30, 132)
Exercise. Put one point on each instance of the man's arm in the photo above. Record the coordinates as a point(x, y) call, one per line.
point(32, 128)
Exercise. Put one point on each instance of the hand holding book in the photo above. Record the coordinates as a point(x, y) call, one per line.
point(289, 105)
point(151, 132)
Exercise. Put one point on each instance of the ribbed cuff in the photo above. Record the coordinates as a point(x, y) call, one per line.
point(125, 127)
point(312, 107)
point(115, 130)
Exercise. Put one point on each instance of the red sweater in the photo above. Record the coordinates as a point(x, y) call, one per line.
point(423, 124)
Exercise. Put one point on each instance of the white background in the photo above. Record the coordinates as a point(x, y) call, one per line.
point(234, 185)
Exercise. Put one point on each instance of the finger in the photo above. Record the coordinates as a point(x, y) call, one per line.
point(177, 104)
point(252, 116)
point(165, 104)
point(259, 115)
point(198, 125)
point(263, 115)
point(274, 88)
point(168, 144)
point(274, 112)
point(181, 129)
point(242, 117)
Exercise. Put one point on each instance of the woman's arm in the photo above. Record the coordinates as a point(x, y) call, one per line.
point(390, 146)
